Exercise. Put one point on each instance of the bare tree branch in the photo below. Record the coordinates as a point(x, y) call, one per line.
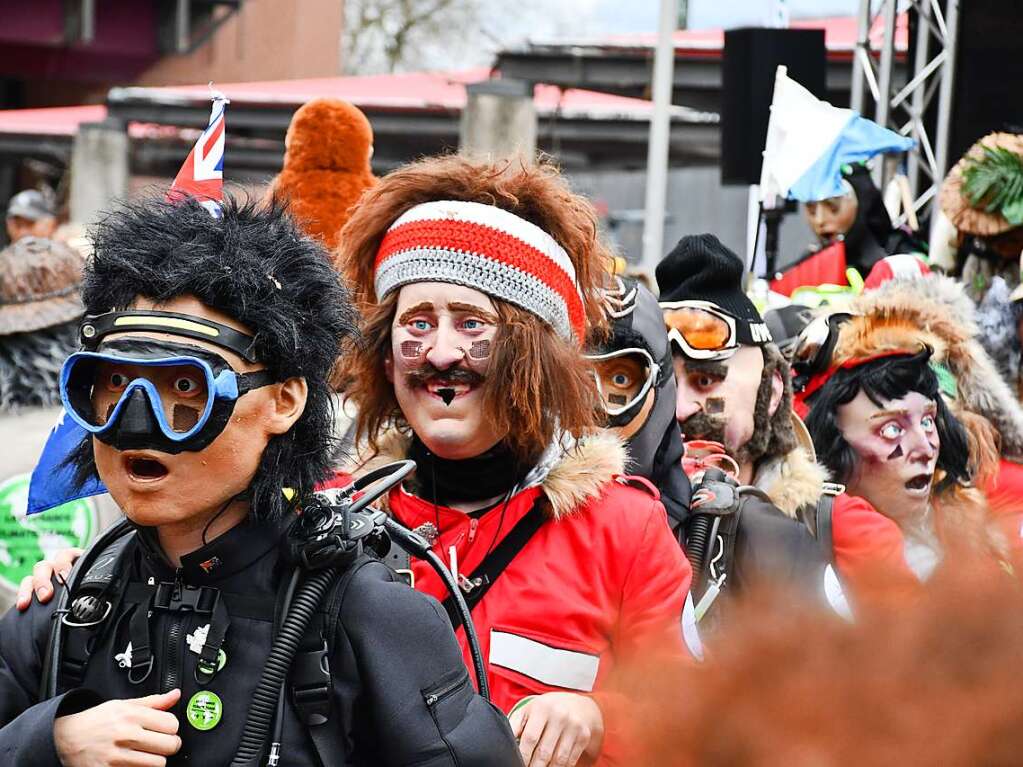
point(402, 35)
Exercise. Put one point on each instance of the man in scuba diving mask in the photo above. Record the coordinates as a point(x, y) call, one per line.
point(634, 374)
point(202, 386)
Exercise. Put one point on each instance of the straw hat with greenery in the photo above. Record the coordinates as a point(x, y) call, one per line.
point(983, 193)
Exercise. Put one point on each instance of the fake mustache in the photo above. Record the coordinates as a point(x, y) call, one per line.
point(426, 373)
point(703, 426)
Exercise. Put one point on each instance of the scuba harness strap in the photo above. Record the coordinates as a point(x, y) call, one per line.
point(309, 678)
point(823, 529)
point(96, 596)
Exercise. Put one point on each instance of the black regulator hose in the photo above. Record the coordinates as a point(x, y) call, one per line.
point(701, 526)
point(417, 546)
point(697, 544)
point(264, 700)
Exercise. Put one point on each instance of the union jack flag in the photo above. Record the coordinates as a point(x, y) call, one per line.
point(202, 174)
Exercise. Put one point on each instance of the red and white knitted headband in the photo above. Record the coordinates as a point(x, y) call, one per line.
point(486, 248)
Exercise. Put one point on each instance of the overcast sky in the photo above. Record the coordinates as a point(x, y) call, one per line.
point(616, 16)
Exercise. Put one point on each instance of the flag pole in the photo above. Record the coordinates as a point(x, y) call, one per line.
point(657, 149)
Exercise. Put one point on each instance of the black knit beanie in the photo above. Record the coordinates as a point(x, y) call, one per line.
point(700, 268)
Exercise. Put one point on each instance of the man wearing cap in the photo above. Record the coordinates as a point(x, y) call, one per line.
point(479, 281)
point(30, 213)
point(734, 407)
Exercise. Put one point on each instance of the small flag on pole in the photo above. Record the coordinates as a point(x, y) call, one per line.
point(808, 142)
point(202, 174)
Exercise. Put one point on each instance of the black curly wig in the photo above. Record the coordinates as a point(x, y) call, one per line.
point(254, 265)
point(882, 380)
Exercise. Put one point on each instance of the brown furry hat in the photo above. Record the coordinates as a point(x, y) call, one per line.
point(937, 311)
point(326, 166)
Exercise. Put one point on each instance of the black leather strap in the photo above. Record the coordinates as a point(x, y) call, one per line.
point(490, 569)
point(825, 505)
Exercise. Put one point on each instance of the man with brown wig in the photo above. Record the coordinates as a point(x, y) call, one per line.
point(477, 282)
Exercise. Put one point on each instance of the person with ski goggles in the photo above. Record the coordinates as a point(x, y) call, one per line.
point(734, 408)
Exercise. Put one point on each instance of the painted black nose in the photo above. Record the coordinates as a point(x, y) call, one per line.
point(137, 417)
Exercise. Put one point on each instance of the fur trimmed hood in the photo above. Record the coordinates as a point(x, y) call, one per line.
point(571, 473)
point(936, 309)
point(792, 481)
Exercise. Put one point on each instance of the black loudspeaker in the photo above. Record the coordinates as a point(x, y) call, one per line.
point(988, 73)
point(752, 54)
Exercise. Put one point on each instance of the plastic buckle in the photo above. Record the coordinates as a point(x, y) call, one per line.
point(469, 585)
point(310, 675)
point(175, 596)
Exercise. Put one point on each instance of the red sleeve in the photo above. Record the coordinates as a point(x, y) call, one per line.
point(338, 479)
point(649, 632)
point(869, 548)
point(1005, 499)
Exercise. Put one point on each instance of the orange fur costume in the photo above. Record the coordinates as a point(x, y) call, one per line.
point(326, 166)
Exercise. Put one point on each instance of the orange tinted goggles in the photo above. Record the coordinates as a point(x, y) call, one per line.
point(702, 330)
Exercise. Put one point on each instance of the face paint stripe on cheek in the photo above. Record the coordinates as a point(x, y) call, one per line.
point(480, 349)
point(411, 349)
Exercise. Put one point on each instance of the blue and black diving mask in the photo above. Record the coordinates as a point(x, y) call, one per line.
point(138, 393)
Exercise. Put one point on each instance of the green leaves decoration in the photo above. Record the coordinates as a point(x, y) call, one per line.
point(994, 183)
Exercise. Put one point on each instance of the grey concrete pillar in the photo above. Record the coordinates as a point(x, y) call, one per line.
point(99, 169)
point(499, 119)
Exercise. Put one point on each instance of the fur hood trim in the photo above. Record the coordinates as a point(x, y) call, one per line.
point(571, 474)
point(936, 310)
point(792, 481)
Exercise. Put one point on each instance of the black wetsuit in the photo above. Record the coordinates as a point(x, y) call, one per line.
point(401, 692)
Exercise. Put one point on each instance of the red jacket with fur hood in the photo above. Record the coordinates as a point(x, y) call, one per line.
point(602, 582)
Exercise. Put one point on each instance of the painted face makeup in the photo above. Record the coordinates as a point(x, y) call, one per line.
point(621, 379)
point(832, 218)
point(716, 399)
point(154, 487)
point(442, 338)
point(897, 444)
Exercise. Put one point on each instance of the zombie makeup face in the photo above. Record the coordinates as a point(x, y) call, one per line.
point(897, 444)
point(442, 336)
point(833, 217)
point(155, 488)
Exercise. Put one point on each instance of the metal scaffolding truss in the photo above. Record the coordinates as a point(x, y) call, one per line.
point(931, 74)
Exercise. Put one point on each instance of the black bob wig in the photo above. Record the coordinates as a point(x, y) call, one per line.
point(882, 380)
point(254, 265)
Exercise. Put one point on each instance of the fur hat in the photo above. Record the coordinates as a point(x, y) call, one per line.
point(326, 166)
point(935, 310)
point(40, 285)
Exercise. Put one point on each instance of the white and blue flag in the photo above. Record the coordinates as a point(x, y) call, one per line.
point(808, 142)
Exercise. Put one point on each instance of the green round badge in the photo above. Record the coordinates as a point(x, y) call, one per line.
point(204, 710)
point(24, 540)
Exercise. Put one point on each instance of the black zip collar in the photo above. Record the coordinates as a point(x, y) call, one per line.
point(225, 555)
